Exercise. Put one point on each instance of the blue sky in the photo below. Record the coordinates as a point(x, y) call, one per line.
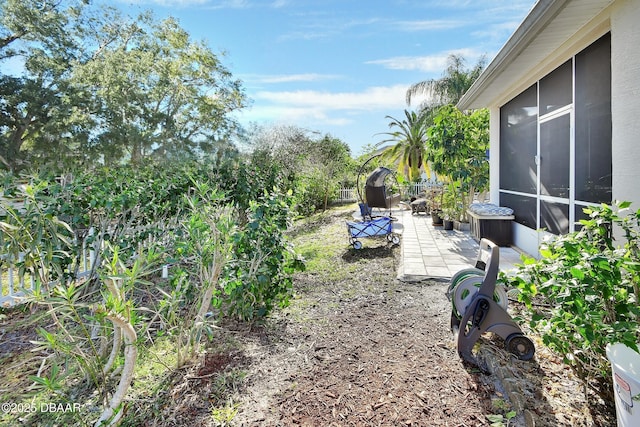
point(340, 66)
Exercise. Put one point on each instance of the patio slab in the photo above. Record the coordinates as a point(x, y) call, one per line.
point(430, 252)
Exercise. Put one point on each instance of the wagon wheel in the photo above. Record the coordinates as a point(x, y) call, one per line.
point(395, 239)
point(357, 245)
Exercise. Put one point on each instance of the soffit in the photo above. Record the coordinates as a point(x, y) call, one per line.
point(549, 24)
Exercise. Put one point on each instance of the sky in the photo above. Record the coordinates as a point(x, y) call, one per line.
point(339, 67)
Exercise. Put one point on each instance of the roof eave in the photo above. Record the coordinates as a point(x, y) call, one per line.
point(503, 71)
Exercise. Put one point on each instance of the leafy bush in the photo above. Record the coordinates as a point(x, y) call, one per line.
point(32, 235)
point(244, 182)
point(309, 194)
point(202, 248)
point(259, 275)
point(585, 292)
point(224, 233)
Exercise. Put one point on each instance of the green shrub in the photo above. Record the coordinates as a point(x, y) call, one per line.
point(309, 194)
point(202, 248)
point(32, 235)
point(584, 292)
point(259, 275)
point(223, 233)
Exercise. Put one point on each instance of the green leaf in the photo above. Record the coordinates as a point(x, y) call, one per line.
point(545, 253)
point(8, 227)
point(632, 265)
point(495, 419)
point(577, 273)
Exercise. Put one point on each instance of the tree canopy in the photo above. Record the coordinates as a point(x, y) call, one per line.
point(409, 138)
point(94, 85)
point(316, 166)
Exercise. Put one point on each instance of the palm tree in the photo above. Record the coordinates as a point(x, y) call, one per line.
point(409, 150)
point(411, 147)
point(448, 89)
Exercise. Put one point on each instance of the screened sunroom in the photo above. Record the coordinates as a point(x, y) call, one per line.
point(564, 128)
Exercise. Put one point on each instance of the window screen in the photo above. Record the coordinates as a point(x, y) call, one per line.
point(556, 89)
point(554, 217)
point(518, 141)
point(593, 122)
point(581, 146)
point(524, 208)
point(555, 140)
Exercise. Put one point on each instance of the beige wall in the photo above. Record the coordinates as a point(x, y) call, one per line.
point(625, 100)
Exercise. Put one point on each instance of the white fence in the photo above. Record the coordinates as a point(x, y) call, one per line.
point(14, 286)
point(409, 190)
point(11, 284)
point(347, 195)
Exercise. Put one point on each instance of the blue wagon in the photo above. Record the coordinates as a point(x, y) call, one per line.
point(377, 226)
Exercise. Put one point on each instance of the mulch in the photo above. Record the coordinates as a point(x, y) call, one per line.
point(388, 361)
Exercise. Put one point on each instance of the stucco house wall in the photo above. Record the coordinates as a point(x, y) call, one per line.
point(625, 100)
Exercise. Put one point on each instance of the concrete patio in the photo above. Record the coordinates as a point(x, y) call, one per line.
point(430, 252)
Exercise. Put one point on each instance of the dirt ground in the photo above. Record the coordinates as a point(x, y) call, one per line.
point(356, 347)
point(368, 350)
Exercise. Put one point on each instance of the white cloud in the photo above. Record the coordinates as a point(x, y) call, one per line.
point(422, 63)
point(279, 3)
point(288, 78)
point(274, 112)
point(167, 3)
point(219, 4)
point(231, 4)
point(324, 108)
point(324, 27)
point(427, 64)
point(497, 32)
point(428, 25)
point(373, 98)
point(493, 6)
point(293, 115)
point(211, 4)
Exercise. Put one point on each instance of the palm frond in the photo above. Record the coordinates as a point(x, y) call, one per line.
point(454, 83)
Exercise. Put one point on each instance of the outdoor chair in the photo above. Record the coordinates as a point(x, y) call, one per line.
point(376, 191)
